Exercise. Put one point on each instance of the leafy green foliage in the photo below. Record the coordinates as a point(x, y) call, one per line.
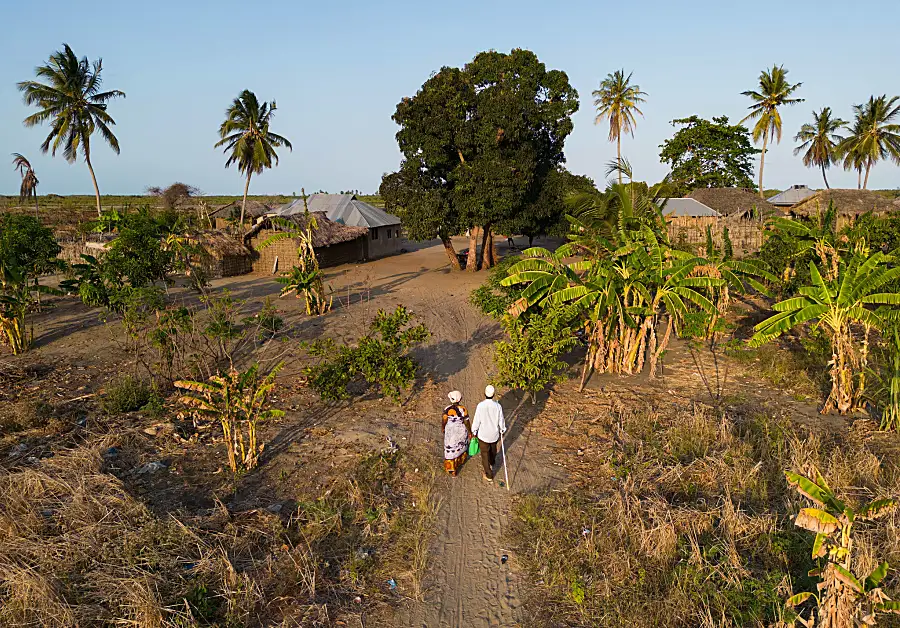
point(529, 359)
point(479, 144)
point(705, 153)
point(137, 254)
point(29, 246)
point(380, 358)
point(493, 298)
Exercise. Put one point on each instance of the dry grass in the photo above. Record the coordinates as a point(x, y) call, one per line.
point(685, 520)
point(77, 548)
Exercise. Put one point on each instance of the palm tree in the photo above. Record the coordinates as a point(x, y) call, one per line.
point(875, 135)
point(29, 180)
point(72, 102)
point(618, 100)
point(774, 92)
point(820, 141)
point(245, 135)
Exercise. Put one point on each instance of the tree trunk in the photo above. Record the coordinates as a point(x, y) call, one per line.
point(762, 164)
point(451, 253)
point(471, 265)
point(866, 180)
point(827, 187)
point(483, 255)
point(654, 358)
point(491, 254)
point(87, 159)
point(244, 204)
point(530, 241)
point(35, 202)
point(859, 178)
point(619, 154)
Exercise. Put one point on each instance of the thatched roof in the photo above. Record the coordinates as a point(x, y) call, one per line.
point(220, 244)
point(846, 202)
point(731, 201)
point(326, 232)
point(233, 210)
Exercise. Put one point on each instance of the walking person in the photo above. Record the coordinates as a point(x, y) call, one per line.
point(457, 430)
point(488, 425)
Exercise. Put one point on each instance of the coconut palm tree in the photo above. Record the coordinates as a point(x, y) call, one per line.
point(617, 100)
point(875, 135)
point(247, 140)
point(29, 180)
point(774, 92)
point(820, 141)
point(71, 101)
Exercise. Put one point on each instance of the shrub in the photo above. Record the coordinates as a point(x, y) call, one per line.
point(529, 360)
point(127, 394)
point(379, 359)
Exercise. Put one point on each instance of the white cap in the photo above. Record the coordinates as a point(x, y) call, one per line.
point(489, 391)
point(454, 396)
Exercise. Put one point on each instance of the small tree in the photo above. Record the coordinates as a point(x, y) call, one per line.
point(844, 599)
point(175, 195)
point(381, 358)
point(239, 401)
point(529, 360)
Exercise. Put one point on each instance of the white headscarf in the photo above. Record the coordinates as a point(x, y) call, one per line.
point(455, 396)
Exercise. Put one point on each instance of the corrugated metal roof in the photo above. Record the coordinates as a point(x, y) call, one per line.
point(344, 209)
point(791, 196)
point(688, 207)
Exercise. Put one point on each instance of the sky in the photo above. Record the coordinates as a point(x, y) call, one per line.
point(337, 70)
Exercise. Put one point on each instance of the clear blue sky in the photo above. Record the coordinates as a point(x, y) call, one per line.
point(337, 70)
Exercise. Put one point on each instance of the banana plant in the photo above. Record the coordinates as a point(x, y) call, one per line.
point(14, 301)
point(844, 598)
point(239, 401)
point(848, 306)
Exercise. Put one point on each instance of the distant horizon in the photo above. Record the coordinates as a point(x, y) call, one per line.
point(338, 85)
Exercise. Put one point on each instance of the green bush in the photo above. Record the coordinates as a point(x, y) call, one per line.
point(379, 359)
point(127, 394)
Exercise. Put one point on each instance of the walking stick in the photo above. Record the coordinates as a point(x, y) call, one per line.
point(505, 472)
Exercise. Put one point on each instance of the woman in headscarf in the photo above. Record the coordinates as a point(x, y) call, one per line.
point(457, 430)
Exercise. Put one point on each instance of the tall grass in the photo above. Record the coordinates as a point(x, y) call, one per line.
point(686, 521)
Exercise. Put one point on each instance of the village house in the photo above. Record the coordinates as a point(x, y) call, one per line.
point(230, 214)
point(333, 242)
point(791, 196)
point(384, 229)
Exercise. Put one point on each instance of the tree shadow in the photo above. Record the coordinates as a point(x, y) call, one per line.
point(446, 358)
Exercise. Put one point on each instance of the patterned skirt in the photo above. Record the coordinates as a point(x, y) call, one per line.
point(452, 466)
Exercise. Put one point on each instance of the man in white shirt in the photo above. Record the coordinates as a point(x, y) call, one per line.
point(488, 425)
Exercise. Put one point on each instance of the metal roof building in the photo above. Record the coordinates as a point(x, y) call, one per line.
point(343, 209)
point(791, 196)
point(688, 208)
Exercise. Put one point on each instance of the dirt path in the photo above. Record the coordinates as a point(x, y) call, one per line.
point(470, 583)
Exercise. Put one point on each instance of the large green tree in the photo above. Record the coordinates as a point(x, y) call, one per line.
point(774, 92)
point(820, 140)
point(479, 143)
point(705, 153)
point(247, 139)
point(875, 135)
point(70, 99)
point(617, 100)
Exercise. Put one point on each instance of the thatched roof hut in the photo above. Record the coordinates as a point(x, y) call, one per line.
point(223, 254)
point(848, 203)
point(734, 202)
point(326, 233)
point(254, 209)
